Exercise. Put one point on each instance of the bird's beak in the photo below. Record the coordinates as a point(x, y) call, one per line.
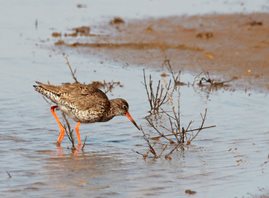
point(132, 120)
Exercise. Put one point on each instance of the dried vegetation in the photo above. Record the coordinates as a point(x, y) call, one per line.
point(156, 98)
point(106, 86)
point(165, 132)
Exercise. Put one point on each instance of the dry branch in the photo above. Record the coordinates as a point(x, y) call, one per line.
point(69, 131)
point(106, 86)
point(178, 131)
point(175, 76)
point(201, 127)
point(172, 135)
point(156, 98)
point(174, 129)
point(73, 72)
point(9, 175)
point(151, 148)
point(84, 143)
point(186, 131)
point(158, 131)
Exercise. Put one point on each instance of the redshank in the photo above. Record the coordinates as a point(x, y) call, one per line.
point(83, 103)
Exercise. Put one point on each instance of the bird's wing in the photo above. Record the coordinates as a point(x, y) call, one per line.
point(85, 97)
point(76, 96)
point(60, 89)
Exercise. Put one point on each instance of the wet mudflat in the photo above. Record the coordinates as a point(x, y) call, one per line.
point(233, 155)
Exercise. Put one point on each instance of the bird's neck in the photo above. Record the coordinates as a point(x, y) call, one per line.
point(110, 113)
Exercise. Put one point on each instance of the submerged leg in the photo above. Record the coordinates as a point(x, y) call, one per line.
point(78, 134)
point(62, 130)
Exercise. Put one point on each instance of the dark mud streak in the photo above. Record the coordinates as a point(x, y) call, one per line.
point(138, 46)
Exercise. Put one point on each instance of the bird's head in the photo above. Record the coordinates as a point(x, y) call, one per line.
point(121, 108)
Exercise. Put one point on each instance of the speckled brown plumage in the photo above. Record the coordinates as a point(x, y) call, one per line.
point(83, 103)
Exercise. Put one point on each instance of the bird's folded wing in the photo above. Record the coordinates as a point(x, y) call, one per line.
point(83, 98)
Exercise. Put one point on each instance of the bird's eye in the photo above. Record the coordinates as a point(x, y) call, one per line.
point(125, 107)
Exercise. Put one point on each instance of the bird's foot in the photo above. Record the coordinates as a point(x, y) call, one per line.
point(79, 147)
point(77, 150)
point(58, 144)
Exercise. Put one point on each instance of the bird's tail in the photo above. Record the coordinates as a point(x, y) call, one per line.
point(49, 91)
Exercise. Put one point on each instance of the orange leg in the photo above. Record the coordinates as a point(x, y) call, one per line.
point(78, 134)
point(62, 130)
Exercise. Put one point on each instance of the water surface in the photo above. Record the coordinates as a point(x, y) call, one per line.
point(232, 156)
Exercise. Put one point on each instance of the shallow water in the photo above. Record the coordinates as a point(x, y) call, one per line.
point(233, 156)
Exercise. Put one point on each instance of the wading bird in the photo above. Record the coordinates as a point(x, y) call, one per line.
point(83, 103)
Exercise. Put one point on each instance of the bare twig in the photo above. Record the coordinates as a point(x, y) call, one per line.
point(168, 155)
point(158, 131)
point(71, 70)
point(106, 86)
point(201, 127)
point(184, 131)
point(151, 149)
point(47, 101)
point(145, 84)
point(177, 131)
point(162, 151)
point(143, 155)
point(175, 76)
point(187, 131)
point(9, 175)
point(156, 98)
point(69, 131)
point(170, 69)
point(84, 143)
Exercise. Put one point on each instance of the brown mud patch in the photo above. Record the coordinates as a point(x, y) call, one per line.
point(233, 46)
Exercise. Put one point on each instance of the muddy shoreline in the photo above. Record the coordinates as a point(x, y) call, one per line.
point(227, 45)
